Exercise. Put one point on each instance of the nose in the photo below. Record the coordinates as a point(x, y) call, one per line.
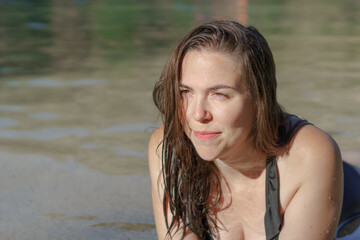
point(201, 111)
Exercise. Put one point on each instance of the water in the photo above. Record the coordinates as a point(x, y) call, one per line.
point(76, 113)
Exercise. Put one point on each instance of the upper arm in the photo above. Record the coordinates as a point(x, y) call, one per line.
point(154, 155)
point(314, 211)
point(157, 190)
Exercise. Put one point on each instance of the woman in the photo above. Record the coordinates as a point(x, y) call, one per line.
point(228, 163)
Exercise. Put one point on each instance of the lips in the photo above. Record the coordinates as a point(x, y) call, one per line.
point(206, 135)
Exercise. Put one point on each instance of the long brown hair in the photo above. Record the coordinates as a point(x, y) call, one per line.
point(189, 180)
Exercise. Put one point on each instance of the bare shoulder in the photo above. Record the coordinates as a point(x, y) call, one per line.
point(155, 166)
point(313, 159)
point(156, 138)
point(154, 151)
point(157, 135)
point(315, 151)
point(313, 173)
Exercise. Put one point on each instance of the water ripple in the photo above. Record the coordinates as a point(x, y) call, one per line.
point(44, 82)
point(12, 108)
point(7, 122)
point(44, 134)
point(128, 152)
point(126, 226)
point(47, 82)
point(44, 115)
point(347, 120)
point(136, 127)
point(91, 146)
point(83, 82)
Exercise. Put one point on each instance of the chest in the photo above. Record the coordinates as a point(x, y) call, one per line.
point(242, 209)
point(241, 214)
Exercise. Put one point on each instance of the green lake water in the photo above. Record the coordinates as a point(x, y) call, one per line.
point(76, 111)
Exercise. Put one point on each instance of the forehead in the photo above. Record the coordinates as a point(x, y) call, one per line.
point(209, 67)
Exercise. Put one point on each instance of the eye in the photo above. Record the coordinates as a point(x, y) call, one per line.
point(221, 95)
point(184, 92)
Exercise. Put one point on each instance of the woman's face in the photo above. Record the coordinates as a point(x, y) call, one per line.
point(217, 107)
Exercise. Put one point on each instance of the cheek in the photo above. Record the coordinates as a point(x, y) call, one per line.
point(237, 117)
point(232, 115)
point(246, 113)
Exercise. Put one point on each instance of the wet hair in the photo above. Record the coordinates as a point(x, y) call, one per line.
point(189, 181)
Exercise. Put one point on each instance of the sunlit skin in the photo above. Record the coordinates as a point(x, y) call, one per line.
point(217, 107)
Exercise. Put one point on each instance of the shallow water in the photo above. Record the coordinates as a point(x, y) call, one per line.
point(75, 100)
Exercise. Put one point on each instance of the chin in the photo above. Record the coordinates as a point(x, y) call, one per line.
point(206, 155)
point(208, 159)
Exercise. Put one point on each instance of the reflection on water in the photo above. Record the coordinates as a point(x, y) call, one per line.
point(12, 108)
point(131, 128)
point(126, 226)
point(91, 146)
point(55, 215)
point(84, 217)
point(355, 120)
point(128, 152)
point(82, 82)
point(7, 122)
point(45, 82)
point(43, 115)
point(76, 111)
point(64, 217)
point(44, 134)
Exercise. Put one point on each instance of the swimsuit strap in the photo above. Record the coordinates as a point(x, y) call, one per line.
point(287, 131)
point(272, 219)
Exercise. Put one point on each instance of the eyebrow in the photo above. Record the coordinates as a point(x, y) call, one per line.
point(215, 87)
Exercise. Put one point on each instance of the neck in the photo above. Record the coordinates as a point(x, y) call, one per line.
point(247, 167)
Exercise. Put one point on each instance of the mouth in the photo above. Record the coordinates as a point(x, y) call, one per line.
point(206, 135)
